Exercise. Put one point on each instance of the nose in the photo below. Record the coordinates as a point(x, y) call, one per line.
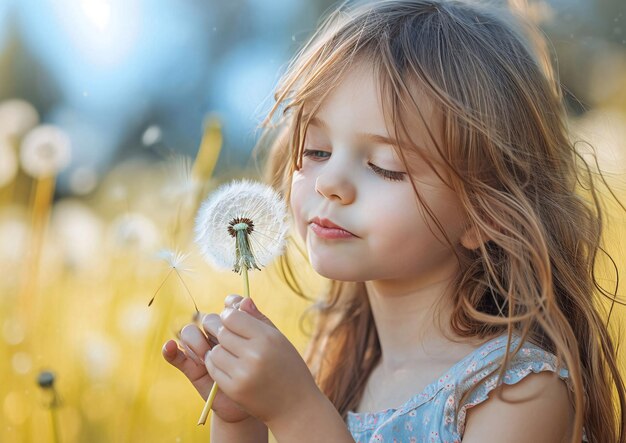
point(335, 185)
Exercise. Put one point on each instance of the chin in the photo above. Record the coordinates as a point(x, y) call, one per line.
point(334, 271)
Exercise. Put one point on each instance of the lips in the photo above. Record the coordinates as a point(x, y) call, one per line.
point(327, 229)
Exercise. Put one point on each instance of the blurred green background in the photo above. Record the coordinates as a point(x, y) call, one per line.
point(104, 107)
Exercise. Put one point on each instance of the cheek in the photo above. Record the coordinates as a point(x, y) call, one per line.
point(297, 200)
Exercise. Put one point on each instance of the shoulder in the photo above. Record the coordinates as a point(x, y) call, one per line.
point(531, 403)
point(537, 408)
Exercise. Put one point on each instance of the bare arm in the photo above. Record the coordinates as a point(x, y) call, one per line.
point(249, 430)
point(537, 409)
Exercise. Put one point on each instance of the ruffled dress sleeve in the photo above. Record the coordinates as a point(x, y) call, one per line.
point(530, 359)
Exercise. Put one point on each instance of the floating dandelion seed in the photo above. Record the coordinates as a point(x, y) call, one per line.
point(240, 226)
point(181, 184)
point(181, 190)
point(45, 151)
point(176, 262)
point(175, 259)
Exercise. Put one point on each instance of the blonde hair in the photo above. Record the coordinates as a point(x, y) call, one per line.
point(507, 155)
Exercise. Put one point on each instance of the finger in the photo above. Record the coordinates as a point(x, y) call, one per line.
point(231, 300)
point(242, 323)
point(248, 305)
point(194, 342)
point(212, 323)
point(197, 375)
point(220, 377)
point(223, 359)
point(232, 342)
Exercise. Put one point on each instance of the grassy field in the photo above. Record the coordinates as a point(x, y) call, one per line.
point(77, 276)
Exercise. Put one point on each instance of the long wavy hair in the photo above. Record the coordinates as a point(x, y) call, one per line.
point(526, 189)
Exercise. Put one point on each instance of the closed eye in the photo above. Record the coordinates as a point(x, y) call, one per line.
point(386, 174)
point(318, 155)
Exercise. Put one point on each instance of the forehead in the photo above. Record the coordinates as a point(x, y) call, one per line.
point(363, 101)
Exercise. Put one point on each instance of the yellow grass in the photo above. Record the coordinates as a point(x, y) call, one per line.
point(92, 327)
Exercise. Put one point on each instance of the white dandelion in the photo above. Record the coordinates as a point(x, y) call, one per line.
point(252, 213)
point(241, 226)
point(16, 118)
point(79, 231)
point(45, 151)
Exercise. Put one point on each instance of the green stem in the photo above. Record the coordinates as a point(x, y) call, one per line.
point(246, 283)
point(55, 421)
point(209, 401)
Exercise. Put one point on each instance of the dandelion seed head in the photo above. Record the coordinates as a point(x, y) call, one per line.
point(100, 355)
point(79, 231)
point(233, 203)
point(134, 230)
point(22, 363)
point(45, 151)
point(16, 118)
point(45, 379)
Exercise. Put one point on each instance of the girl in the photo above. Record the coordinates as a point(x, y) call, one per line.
point(424, 151)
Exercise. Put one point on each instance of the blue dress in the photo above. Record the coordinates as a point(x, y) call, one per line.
point(437, 414)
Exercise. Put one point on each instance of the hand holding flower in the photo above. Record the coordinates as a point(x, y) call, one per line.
point(257, 367)
point(188, 358)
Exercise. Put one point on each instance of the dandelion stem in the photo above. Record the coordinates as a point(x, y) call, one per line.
point(246, 284)
point(40, 202)
point(208, 404)
point(56, 438)
point(209, 400)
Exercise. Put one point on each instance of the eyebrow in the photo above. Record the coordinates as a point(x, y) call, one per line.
point(372, 138)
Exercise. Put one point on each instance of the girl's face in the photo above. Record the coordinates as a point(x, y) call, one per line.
point(352, 177)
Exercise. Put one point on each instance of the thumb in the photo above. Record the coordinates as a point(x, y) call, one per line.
point(248, 306)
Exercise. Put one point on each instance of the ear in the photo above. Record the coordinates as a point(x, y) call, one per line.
point(471, 238)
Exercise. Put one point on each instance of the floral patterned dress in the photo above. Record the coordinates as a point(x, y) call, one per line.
point(436, 414)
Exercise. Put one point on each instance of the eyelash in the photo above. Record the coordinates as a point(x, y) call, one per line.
point(384, 173)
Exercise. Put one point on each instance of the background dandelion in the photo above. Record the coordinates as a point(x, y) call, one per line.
point(16, 118)
point(45, 151)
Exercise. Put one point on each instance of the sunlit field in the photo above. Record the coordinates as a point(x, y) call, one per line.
point(77, 277)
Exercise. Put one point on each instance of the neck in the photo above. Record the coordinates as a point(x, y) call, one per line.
point(412, 317)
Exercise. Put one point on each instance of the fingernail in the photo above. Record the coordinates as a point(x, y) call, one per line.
point(236, 305)
point(206, 356)
point(253, 306)
point(226, 312)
